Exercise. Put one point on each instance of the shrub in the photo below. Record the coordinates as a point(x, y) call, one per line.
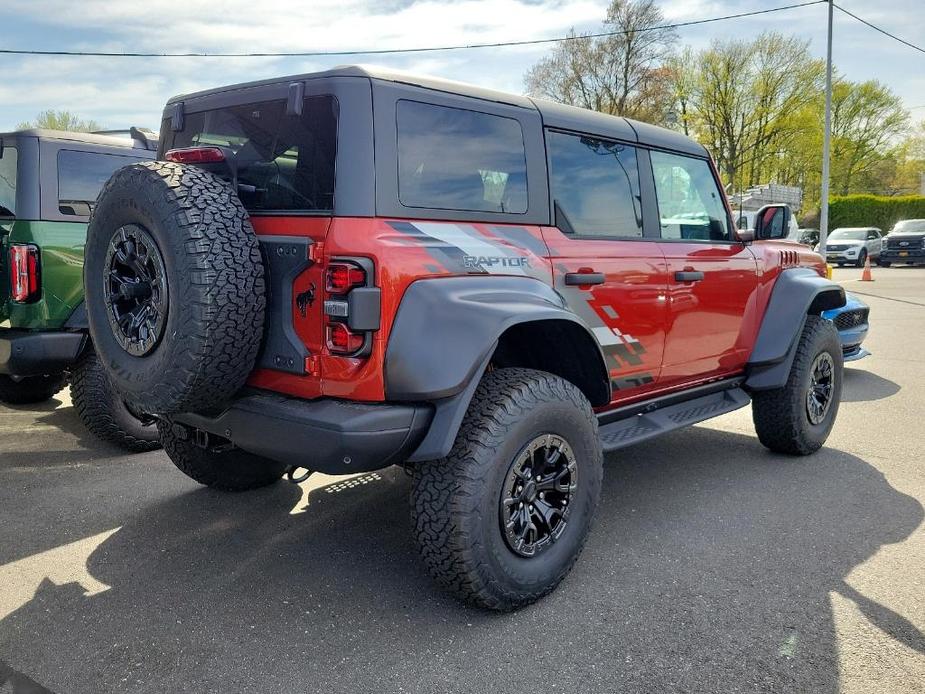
point(874, 210)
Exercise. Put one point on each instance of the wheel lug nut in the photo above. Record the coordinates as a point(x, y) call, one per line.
point(542, 495)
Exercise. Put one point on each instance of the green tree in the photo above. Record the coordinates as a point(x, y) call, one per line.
point(60, 120)
point(623, 74)
point(868, 120)
point(910, 164)
point(748, 97)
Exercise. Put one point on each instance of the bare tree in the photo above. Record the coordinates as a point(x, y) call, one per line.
point(621, 74)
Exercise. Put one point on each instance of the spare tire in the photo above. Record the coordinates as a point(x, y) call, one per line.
point(174, 285)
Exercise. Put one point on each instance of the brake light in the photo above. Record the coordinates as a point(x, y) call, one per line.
point(340, 278)
point(195, 155)
point(342, 340)
point(24, 273)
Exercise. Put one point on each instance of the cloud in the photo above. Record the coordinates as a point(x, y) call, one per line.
point(122, 91)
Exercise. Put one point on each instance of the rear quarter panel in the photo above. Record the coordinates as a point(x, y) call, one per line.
point(403, 252)
point(61, 249)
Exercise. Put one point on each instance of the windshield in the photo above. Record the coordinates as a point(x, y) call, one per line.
point(283, 162)
point(8, 182)
point(908, 225)
point(848, 235)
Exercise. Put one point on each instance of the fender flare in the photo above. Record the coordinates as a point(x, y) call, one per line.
point(797, 293)
point(444, 335)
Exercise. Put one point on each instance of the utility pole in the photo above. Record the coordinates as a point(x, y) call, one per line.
point(826, 141)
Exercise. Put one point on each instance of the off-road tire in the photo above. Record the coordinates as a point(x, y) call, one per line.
point(29, 390)
point(215, 287)
point(231, 470)
point(862, 256)
point(103, 411)
point(455, 501)
point(780, 415)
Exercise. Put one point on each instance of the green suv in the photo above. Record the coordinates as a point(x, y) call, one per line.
point(49, 181)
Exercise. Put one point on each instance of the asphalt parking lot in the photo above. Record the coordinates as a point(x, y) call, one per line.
point(714, 566)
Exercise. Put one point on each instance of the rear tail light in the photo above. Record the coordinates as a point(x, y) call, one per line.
point(24, 273)
point(342, 340)
point(195, 155)
point(340, 278)
point(351, 307)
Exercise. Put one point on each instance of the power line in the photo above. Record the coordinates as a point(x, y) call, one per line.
point(882, 31)
point(387, 51)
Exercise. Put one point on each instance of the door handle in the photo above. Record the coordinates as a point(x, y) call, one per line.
point(583, 279)
point(688, 276)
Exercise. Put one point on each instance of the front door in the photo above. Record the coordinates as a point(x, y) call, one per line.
point(610, 273)
point(712, 277)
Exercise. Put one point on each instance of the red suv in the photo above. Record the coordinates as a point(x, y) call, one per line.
point(353, 269)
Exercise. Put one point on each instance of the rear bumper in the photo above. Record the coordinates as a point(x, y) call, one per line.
point(332, 436)
point(30, 353)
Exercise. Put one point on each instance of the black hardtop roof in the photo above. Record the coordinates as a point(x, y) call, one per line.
point(71, 136)
point(554, 114)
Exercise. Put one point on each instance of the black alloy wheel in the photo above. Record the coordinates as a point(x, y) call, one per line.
point(136, 290)
point(821, 388)
point(534, 506)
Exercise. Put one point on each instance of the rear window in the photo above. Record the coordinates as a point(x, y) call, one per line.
point(284, 163)
point(81, 176)
point(8, 182)
point(455, 159)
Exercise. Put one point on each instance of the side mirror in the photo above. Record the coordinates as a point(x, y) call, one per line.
point(745, 235)
point(772, 222)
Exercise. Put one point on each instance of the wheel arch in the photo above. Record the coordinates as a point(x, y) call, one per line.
point(449, 330)
point(797, 293)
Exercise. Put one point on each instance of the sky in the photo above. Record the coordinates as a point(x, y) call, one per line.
point(118, 92)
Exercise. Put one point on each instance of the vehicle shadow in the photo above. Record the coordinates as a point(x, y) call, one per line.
point(59, 440)
point(710, 568)
point(861, 386)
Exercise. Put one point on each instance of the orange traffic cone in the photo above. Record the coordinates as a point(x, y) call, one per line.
point(865, 276)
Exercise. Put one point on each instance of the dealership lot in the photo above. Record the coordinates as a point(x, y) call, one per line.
point(713, 566)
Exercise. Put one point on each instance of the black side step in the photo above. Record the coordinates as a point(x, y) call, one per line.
point(646, 425)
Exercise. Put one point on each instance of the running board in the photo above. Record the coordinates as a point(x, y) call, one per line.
point(647, 425)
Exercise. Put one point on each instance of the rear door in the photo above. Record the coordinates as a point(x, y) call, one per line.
point(712, 277)
point(612, 274)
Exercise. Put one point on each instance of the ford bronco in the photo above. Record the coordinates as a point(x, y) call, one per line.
point(353, 269)
point(49, 181)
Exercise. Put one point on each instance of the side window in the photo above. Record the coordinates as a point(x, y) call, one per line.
point(873, 235)
point(81, 175)
point(690, 205)
point(594, 185)
point(8, 182)
point(454, 159)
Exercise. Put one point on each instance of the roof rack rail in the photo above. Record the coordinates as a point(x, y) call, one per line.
point(145, 137)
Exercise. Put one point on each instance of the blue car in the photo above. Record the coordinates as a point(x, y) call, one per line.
point(851, 322)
